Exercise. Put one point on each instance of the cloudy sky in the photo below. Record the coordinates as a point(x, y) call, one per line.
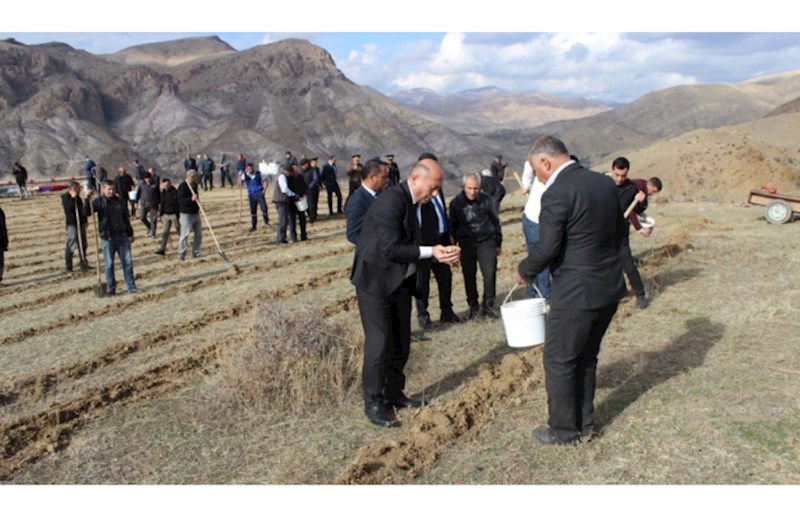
point(583, 60)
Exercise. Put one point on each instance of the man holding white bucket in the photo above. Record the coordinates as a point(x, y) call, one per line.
point(581, 227)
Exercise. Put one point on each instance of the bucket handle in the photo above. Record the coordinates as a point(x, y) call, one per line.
point(510, 292)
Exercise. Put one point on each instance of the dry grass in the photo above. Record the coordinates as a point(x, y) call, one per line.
point(297, 360)
point(698, 388)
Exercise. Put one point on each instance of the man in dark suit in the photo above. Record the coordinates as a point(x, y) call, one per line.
point(384, 274)
point(332, 185)
point(581, 227)
point(374, 179)
point(435, 230)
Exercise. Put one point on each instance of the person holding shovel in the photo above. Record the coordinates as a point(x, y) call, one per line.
point(628, 192)
point(190, 215)
point(168, 212)
point(116, 234)
point(76, 226)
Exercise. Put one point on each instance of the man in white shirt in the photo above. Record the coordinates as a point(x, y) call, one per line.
point(530, 226)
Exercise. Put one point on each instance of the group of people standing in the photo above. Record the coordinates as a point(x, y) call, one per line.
point(576, 233)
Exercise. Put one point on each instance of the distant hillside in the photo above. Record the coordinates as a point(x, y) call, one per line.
point(488, 109)
point(722, 164)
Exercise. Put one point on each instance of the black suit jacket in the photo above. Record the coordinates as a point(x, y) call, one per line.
point(430, 224)
point(388, 243)
point(581, 228)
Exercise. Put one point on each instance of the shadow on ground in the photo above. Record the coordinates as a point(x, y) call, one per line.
point(635, 376)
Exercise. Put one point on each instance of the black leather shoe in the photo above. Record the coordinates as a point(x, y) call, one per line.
point(380, 416)
point(489, 312)
point(449, 317)
point(406, 403)
point(474, 312)
point(545, 436)
point(425, 321)
point(641, 302)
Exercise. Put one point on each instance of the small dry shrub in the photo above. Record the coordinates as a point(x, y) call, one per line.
point(298, 360)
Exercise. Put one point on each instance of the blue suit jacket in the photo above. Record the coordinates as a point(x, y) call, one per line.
point(356, 208)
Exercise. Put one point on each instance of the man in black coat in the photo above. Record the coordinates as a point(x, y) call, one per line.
point(116, 235)
point(581, 227)
point(477, 231)
point(168, 211)
point(332, 185)
point(434, 229)
point(384, 274)
point(74, 214)
point(189, 210)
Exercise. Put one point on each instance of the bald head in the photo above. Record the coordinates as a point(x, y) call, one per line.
point(425, 180)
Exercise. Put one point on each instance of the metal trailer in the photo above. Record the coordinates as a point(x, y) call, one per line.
point(778, 208)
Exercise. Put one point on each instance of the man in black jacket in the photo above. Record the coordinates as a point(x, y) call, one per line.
point(435, 230)
point(123, 185)
point(384, 274)
point(116, 235)
point(149, 195)
point(168, 212)
point(332, 185)
point(477, 231)
point(21, 176)
point(74, 213)
point(581, 227)
point(189, 211)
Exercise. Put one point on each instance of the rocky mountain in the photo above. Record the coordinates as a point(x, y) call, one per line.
point(491, 108)
point(160, 102)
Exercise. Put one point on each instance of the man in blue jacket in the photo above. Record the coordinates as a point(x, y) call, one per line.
point(256, 188)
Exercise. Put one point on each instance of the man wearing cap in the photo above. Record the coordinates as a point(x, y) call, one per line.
point(393, 170)
point(354, 172)
point(189, 215)
point(312, 177)
point(283, 197)
point(332, 185)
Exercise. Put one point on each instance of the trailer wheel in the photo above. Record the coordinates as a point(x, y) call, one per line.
point(778, 212)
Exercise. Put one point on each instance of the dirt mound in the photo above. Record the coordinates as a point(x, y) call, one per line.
point(433, 429)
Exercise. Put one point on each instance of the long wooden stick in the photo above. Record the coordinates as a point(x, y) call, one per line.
point(208, 224)
point(630, 208)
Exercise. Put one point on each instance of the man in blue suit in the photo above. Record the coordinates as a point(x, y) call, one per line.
point(373, 179)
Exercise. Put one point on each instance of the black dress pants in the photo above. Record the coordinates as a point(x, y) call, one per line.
point(387, 341)
point(473, 255)
point(444, 280)
point(572, 342)
point(629, 267)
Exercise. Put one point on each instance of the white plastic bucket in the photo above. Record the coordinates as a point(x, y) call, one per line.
point(301, 204)
point(646, 221)
point(133, 194)
point(523, 320)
